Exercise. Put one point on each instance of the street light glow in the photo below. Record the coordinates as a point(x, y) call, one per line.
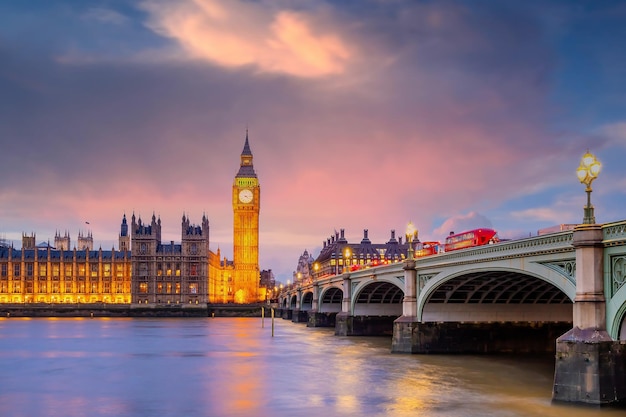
point(588, 171)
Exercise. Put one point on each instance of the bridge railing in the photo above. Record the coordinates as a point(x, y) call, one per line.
point(614, 233)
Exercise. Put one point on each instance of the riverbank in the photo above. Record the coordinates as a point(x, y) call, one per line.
point(130, 310)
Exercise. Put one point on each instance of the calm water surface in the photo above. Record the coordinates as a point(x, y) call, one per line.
point(233, 367)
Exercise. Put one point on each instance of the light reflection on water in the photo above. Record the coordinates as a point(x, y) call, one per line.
point(233, 367)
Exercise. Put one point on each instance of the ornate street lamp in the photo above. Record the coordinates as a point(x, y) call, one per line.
point(587, 172)
point(411, 232)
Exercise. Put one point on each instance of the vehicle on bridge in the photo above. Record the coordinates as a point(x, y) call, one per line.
point(371, 264)
point(426, 249)
point(476, 237)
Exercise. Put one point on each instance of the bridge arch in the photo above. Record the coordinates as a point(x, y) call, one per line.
point(497, 294)
point(378, 298)
point(330, 299)
point(307, 301)
point(616, 323)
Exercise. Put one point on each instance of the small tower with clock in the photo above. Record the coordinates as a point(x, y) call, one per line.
point(246, 206)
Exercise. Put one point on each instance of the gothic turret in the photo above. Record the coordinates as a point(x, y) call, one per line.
point(124, 238)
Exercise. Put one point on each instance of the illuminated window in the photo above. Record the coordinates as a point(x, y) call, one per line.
point(193, 288)
point(119, 270)
point(169, 287)
point(143, 287)
point(42, 269)
point(169, 269)
point(68, 287)
point(94, 270)
point(177, 269)
point(106, 287)
point(178, 288)
point(55, 287)
point(81, 287)
point(4, 287)
point(159, 287)
point(106, 270)
point(81, 270)
point(159, 269)
point(68, 270)
point(56, 270)
point(94, 287)
point(119, 288)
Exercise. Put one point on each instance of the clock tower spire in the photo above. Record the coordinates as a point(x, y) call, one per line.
point(246, 206)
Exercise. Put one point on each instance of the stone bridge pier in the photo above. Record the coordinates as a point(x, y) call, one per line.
point(347, 323)
point(590, 366)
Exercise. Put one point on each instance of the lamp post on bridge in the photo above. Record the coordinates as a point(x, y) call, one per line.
point(588, 171)
point(589, 363)
point(410, 232)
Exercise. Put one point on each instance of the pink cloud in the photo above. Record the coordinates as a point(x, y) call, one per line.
point(239, 33)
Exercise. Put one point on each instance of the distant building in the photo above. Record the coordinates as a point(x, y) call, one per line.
point(268, 281)
point(338, 255)
point(169, 273)
point(304, 269)
point(62, 242)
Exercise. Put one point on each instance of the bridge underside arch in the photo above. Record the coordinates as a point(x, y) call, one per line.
point(379, 299)
point(307, 301)
point(497, 296)
point(330, 300)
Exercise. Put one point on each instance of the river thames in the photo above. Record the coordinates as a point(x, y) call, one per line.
point(234, 367)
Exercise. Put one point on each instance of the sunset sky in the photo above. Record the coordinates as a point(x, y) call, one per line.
point(362, 114)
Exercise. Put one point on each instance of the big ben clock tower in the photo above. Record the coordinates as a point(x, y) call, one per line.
point(246, 205)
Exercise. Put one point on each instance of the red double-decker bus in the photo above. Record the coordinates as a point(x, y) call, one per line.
point(426, 248)
point(476, 237)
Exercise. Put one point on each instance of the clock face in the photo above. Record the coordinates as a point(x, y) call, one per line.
point(245, 196)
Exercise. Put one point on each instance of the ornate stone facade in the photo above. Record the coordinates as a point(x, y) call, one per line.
point(145, 270)
point(246, 207)
point(49, 275)
point(169, 273)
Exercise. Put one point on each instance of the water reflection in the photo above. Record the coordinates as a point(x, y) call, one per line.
point(233, 367)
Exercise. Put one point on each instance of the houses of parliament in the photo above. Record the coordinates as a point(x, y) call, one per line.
point(144, 270)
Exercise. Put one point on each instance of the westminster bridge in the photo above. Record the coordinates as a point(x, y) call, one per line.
point(514, 296)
